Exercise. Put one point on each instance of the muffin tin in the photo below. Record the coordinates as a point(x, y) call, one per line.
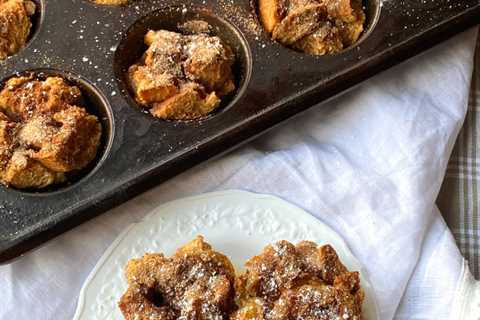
point(92, 45)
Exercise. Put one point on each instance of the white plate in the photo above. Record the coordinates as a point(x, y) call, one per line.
point(236, 223)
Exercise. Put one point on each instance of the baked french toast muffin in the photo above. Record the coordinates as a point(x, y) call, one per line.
point(15, 25)
point(112, 2)
point(317, 27)
point(195, 283)
point(45, 133)
point(183, 76)
point(287, 282)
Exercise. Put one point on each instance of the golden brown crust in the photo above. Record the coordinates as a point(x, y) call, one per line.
point(316, 301)
point(325, 40)
point(269, 13)
point(43, 134)
point(15, 25)
point(196, 283)
point(299, 23)
point(25, 96)
point(190, 103)
point(183, 77)
point(74, 145)
point(24, 172)
point(313, 26)
point(112, 2)
point(298, 282)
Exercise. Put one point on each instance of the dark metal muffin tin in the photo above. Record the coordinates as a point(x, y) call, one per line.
point(93, 45)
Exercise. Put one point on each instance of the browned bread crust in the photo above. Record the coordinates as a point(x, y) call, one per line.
point(195, 283)
point(183, 77)
point(313, 26)
point(298, 282)
point(15, 25)
point(44, 134)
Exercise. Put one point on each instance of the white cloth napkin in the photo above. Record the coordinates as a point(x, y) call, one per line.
point(369, 164)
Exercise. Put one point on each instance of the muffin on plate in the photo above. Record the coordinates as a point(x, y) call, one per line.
point(195, 283)
point(298, 282)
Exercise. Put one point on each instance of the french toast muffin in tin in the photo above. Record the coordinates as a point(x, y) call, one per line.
point(15, 25)
point(45, 132)
point(183, 76)
point(316, 27)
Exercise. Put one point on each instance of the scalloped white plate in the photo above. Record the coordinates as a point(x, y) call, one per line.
point(237, 223)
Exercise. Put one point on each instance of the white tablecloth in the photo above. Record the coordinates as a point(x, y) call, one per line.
point(369, 164)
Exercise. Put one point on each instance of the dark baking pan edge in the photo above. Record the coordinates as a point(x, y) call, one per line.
point(240, 135)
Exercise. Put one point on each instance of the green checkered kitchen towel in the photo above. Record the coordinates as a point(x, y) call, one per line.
point(459, 199)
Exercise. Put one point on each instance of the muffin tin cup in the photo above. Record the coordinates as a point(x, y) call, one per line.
point(96, 44)
point(371, 9)
point(132, 47)
point(95, 103)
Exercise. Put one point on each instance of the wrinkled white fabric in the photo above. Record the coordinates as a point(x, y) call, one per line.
point(369, 164)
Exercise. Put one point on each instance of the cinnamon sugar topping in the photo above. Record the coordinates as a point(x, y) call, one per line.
point(44, 134)
point(183, 77)
point(298, 282)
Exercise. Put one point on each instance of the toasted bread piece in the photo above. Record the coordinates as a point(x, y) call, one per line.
point(24, 172)
point(8, 131)
point(317, 27)
point(183, 76)
point(269, 11)
point(314, 301)
point(37, 132)
point(112, 2)
point(74, 145)
point(25, 96)
point(325, 40)
point(150, 88)
point(43, 135)
point(188, 104)
point(345, 10)
point(15, 25)
point(305, 281)
point(210, 64)
point(250, 309)
point(299, 23)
